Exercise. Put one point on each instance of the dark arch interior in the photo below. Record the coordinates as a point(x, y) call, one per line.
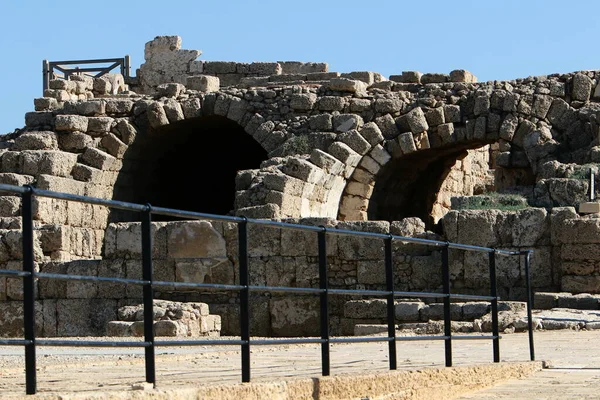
point(188, 165)
point(408, 186)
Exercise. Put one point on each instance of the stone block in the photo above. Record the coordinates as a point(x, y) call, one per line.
point(462, 75)
point(582, 87)
point(265, 68)
point(39, 119)
point(98, 159)
point(45, 104)
point(365, 309)
point(322, 122)
point(118, 106)
point(348, 85)
point(407, 77)
point(346, 122)
point(82, 289)
point(58, 163)
point(446, 133)
point(582, 301)
point(589, 208)
point(203, 83)
point(197, 239)
point(113, 145)
point(580, 284)
point(170, 89)
point(90, 108)
point(294, 316)
point(36, 141)
point(71, 123)
point(408, 311)
point(303, 102)
point(545, 301)
point(191, 108)
point(346, 155)
point(371, 132)
point(417, 121)
point(435, 312)
point(173, 110)
point(303, 170)
point(85, 317)
point(474, 310)
point(387, 125)
point(330, 103)
point(407, 143)
point(434, 78)
point(355, 141)
point(452, 113)
point(156, 114)
point(98, 126)
point(388, 106)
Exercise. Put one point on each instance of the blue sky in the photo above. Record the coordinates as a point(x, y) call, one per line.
point(493, 39)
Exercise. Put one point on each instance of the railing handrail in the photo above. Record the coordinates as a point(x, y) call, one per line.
point(48, 68)
point(243, 288)
point(127, 206)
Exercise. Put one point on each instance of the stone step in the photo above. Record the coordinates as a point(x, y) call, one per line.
point(508, 322)
point(581, 301)
point(418, 311)
point(171, 318)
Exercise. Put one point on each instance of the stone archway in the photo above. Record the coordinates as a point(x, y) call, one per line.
point(190, 165)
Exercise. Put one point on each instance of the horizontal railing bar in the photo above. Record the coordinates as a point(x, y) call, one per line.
point(417, 338)
point(14, 342)
point(72, 62)
point(359, 339)
point(88, 343)
point(263, 342)
point(50, 275)
point(8, 272)
point(216, 286)
point(192, 285)
point(473, 297)
point(175, 343)
point(377, 293)
point(385, 339)
point(195, 215)
point(466, 337)
point(99, 69)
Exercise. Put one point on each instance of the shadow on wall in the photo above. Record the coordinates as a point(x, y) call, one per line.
point(189, 165)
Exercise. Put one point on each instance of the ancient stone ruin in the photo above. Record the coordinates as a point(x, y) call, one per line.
point(503, 164)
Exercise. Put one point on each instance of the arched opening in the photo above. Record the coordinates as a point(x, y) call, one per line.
point(421, 184)
point(189, 165)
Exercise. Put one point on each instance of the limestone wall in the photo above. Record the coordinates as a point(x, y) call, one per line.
point(333, 142)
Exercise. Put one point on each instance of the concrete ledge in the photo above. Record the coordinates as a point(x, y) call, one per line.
point(438, 383)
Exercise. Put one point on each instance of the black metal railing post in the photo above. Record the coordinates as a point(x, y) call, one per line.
point(148, 294)
point(494, 294)
point(391, 312)
point(45, 75)
point(447, 316)
point(324, 301)
point(529, 303)
point(29, 291)
point(244, 298)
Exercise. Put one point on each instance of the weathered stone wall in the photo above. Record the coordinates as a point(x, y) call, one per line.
point(333, 140)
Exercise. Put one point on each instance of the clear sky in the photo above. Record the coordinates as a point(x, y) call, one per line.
point(504, 39)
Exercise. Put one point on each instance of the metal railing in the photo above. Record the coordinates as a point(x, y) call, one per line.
point(49, 67)
point(28, 274)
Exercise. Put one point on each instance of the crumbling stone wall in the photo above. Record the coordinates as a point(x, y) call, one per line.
point(333, 142)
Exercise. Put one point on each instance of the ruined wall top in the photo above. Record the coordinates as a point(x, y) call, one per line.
point(166, 62)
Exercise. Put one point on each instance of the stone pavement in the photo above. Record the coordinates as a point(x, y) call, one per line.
point(574, 357)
